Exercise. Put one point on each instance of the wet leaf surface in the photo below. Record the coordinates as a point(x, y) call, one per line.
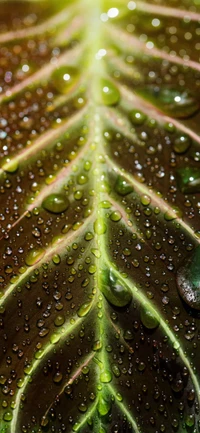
point(99, 216)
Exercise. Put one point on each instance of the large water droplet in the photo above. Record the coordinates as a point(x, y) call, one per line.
point(182, 144)
point(10, 165)
point(188, 179)
point(109, 93)
point(104, 405)
point(34, 256)
point(188, 280)
point(117, 293)
point(84, 309)
point(106, 376)
point(56, 203)
point(175, 102)
point(148, 318)
point(100, 227)
point(64, 78)
point(122, 187)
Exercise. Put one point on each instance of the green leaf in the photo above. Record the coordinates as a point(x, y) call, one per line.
point(99, 219)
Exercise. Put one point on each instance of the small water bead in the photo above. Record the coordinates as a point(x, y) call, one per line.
point(122, 187)
point(55, 203)
point(87, 165)
point(177, 103)
point(82, 179)
point(145, 200)
point(182, 144)
point(148, 318)
point(105, 204)
point(117, 293)
point(137, 117)
point(188, 179)
point(56, 259)
point(109, 93)
point(78, 195)
point(116, 370)
point(188, 280)
point(59, 320)
point(89, 236)
point(64, 78)
point(34, 256)
point(82, 407)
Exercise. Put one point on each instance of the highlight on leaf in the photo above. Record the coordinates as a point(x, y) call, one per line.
point(99, 220)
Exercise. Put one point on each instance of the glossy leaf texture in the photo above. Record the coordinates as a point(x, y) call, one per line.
point(99, 216)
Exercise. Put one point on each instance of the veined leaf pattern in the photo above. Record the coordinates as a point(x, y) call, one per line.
point(100, 183)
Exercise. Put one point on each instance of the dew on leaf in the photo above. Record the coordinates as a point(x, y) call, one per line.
point(56, 203)
point(84, 309)
point(177, 103)
point(109, 93)
point(115, 216)
point(106, 376)
point(190, 420)
point(64, 77)
point(122, 187)
point(116, 370)
point(148, 318)
point(188, 179)
point(34, 256)
point(82, 407)
point(8, 416)
point(59, 320)
point(137, 117)
point(173, 213)
point(10, 165)
point(100, 227)
point(104, 405)
point(117, 293)
point(105, 204)
point(188, 280)
point(181, 144)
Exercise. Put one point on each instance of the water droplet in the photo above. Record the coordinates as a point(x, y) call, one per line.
point(188, 179)
point(84, 309)
point(10, 165)
point(181, 144)
point(190, 420)
point(137, 117)
point(104, 405)
point(188, 280)
point(109, 93)
point(173, 213)
point(116, 370)
point(100, 227)
point(148, 318)
point(106, 376)
point(59, 320)
point(34, 256)
point(176, 103)
point(117, 293)
point(64, 78)
point(115, 216)
point(122, 187)
point(56, 203)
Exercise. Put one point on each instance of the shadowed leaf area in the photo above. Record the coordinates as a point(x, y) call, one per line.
point(99, 216)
